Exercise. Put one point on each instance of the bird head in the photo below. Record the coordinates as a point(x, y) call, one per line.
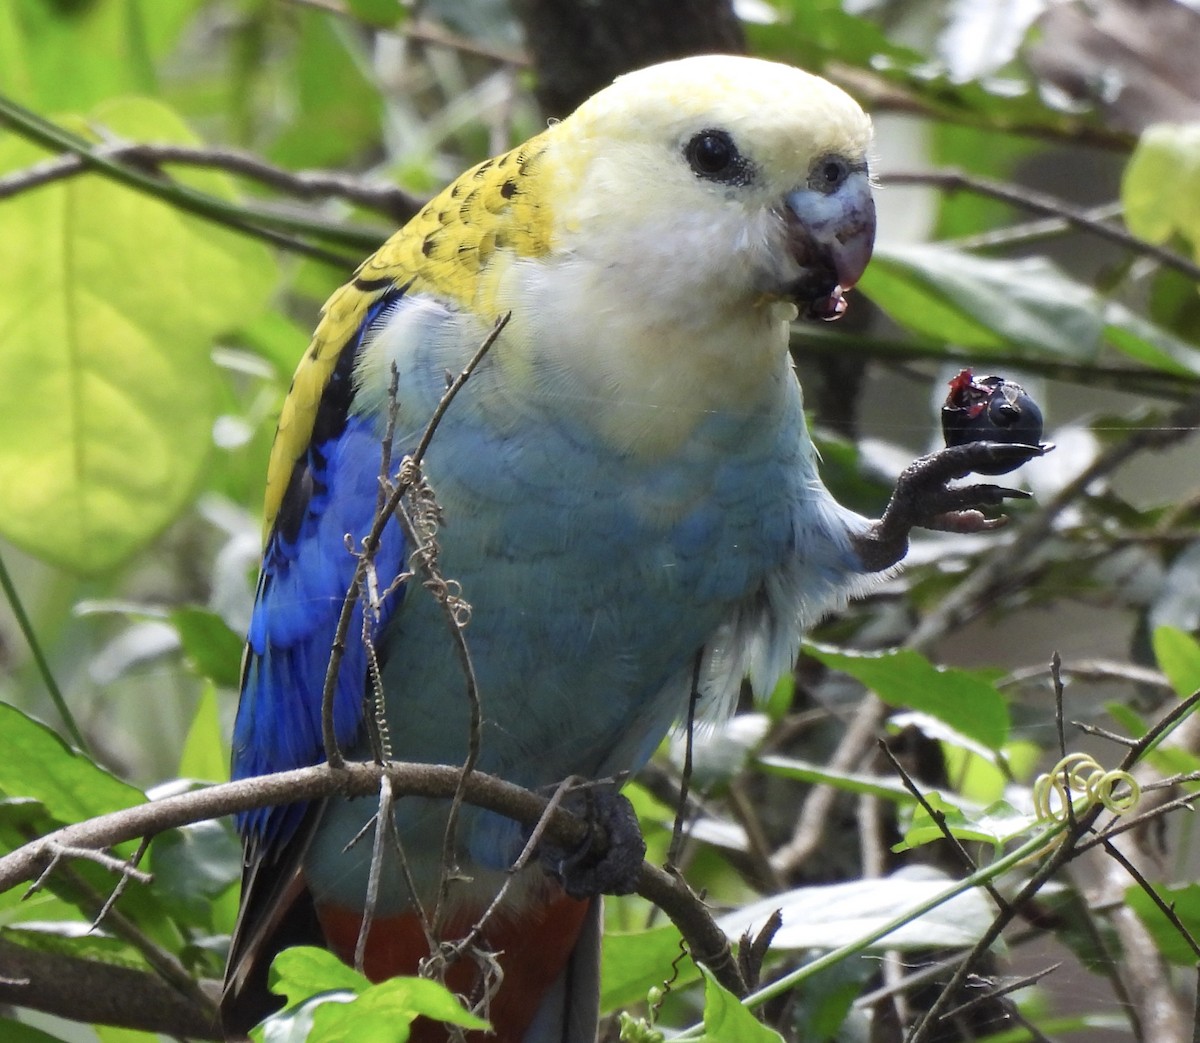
point(723, 178)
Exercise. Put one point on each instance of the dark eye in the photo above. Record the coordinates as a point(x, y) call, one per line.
point(828, 174)
point(713, 156)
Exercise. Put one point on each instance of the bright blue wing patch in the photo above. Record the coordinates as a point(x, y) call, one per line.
point(307, 568)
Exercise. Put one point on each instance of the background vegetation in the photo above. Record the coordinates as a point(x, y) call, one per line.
point(182, 183)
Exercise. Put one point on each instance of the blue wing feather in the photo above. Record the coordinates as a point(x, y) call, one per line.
point(307, 568)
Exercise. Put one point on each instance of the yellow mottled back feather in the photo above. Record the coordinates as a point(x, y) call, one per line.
point(446, 251)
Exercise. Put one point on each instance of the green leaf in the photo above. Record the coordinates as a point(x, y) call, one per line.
point(205, 754)
point(329, 90)
point(847, 781)
point(278, 340)
point(1127, 718)
point(36, 763)
point(377, 1014)
point(1158, 190)
point(727, 1021)
point(193, 866)
point(108, 401)
point(75, 938)
point(997, 824)
point(965, 700)
point(1148, 343)
point(980, 151)
point(211, 647)
point(1178, 656)
point(382, 1013)
point(1025, 307)
point(981, 778)
point(113, 1034)
point(811, 32)
point(19, 1032)
point(1185, 901)
point(632, 961)
point(381, 13)
point(72, 55)
point(305, 971)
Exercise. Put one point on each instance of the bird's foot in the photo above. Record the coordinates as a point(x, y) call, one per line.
point(924, 498)
point(590, 869)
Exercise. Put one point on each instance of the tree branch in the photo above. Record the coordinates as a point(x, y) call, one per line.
point(101, 993)
point(951, 181)
point(384, 198)
point(705, 939)
point(263, 224)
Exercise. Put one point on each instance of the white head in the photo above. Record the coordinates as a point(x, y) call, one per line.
point(721, 174)
point(692, 208)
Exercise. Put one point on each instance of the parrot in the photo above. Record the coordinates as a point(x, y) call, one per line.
point(623, 500)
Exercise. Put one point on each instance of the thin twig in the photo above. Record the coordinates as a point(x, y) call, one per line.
point(951, 181)
point(25, 625)
point(424, 30)
point(1064, 852)
point(58, 853)
point(1060, 729)
point(1196, 1010)
point(455, 386)
point(685, 776)
point(370, 547)
point(1164, 907)
point(426, 564)
point(264, 225)
point(1103, 733)
point(383, 816)
point(1004, 990)
point(130, 872)
point(1029, 231)
point(1093, 670)
point(387, 199)
point(535, 838)
point(939, 819)
point(1127, 822)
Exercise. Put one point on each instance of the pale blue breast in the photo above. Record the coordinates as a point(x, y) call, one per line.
point(593, 580)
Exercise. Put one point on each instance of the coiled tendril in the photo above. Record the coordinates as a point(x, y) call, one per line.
point(1078, 774)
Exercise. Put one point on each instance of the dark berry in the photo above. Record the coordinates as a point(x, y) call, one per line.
point(990, 409)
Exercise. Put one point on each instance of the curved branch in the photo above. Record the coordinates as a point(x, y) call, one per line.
point(389, 200)
point(952, 180)
point(266, 225)
point(101, 993)
point(705, 939)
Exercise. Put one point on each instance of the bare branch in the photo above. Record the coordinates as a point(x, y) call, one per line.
point(101, 993)
point(1065, 851)
point(370, 544)
point(685, 775)
point(1004, 990)
point(809, 832)
point(1164, 907)
point(939, 819)
point(356, 779)
point(267, 225)
point(396, 204)
point(952, 181)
